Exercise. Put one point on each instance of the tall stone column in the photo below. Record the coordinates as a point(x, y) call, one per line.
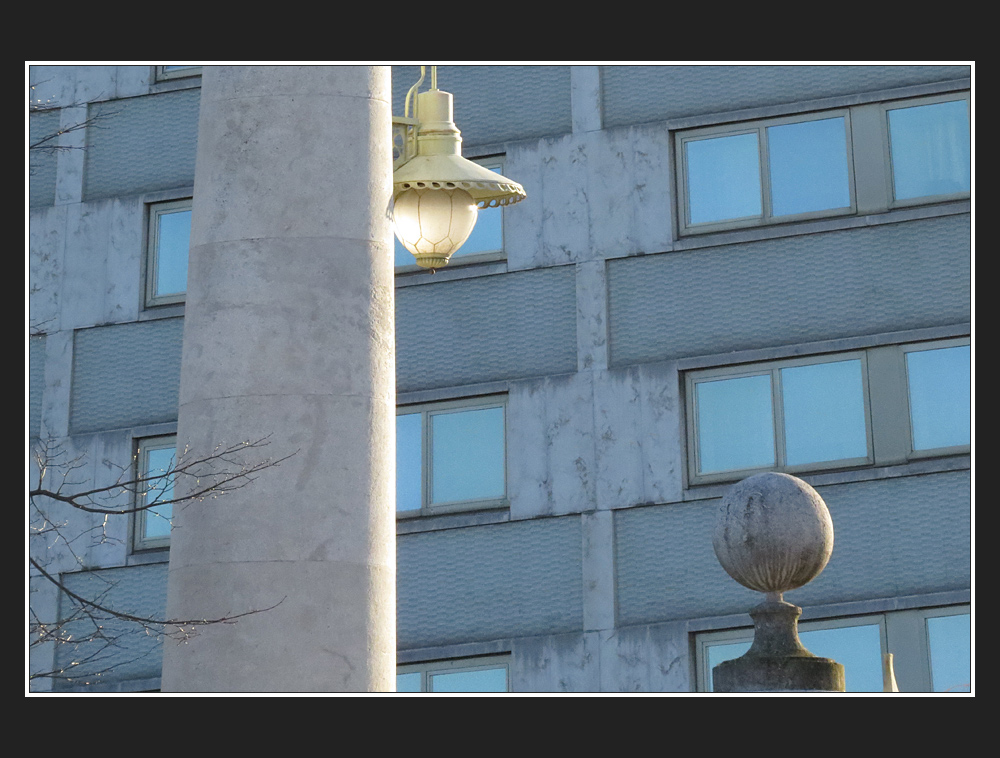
point(288, 335)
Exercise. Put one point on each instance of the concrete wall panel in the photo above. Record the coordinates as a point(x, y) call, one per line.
point(485, 329)
point(894, 537)
point(143, 144)
point(126, 375)
point(788, 290)
point(636, 94)
point(505, 580)
point(496, 104)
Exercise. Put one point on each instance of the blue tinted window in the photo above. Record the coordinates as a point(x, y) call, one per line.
point(409, 462)
point(808, 164)
point(484, 680)
point(824, 411)
point(950, 642)
point(468, 455)
point(173, 238)
point(735, 424)
point(930, 146)
point(156, 520)
point(940, 384)
point(408, 682)
point(723, 176)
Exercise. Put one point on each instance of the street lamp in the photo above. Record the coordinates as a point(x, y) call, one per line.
point(436, 192)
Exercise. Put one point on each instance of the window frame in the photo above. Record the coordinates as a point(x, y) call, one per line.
point(493, 163)
point(428, 410)
point(773, 370)
point(870, 185)
point(884, 109)
point(454, 666)
point(143, 447)
point(767, 217)
point(935, 452)
point(154, 211)
point(886, 397)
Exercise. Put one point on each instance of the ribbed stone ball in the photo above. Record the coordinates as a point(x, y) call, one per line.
point(774, 533)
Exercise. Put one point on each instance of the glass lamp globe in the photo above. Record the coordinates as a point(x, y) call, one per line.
point(433, 222)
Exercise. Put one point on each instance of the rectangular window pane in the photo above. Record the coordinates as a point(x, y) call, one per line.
point(484, 680)
point(930, 147)
point(408, 682)
point(857, 648)
point(487, 234)
point(808, 166)
point(940, 396)
point(409, 466)
point(173, 237)
point(950, 642)
point(735, 424)
point(723, 176)
point(468, 455)
point(824, 412)
point(156, 520)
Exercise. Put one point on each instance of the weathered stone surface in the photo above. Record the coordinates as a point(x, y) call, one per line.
point(774, 533)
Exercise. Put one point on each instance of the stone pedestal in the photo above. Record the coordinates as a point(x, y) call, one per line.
point(777, 660)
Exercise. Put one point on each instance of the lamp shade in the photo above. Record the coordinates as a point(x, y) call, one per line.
point(432, 223)
point(436, 191)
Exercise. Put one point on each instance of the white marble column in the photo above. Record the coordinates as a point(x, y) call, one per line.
point(289, 334)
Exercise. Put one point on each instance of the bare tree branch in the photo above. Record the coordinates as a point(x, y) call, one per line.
point(95, 630)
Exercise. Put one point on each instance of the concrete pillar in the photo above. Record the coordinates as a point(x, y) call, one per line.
point(289, 335)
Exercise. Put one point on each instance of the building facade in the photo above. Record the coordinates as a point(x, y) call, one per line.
point(717, 271)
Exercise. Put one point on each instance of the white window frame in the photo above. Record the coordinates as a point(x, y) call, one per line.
point(143, 447)
point(494, 163)
point(901, 633)
point(870, 180)
point(152, 247)
point(426, 411)
point(888, 420)
point(454, 666)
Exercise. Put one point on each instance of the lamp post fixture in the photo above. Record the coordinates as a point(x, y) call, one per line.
point(436, 192)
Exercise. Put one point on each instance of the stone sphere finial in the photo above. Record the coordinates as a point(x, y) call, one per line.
point(774, 533)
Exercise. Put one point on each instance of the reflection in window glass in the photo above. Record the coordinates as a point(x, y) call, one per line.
point(723, 177)
point(735, 424)
point(409, 457)
point(940, 396)
point(808, 164)
point(930, 149)
point(483, 680)
point(173, 238)
point(950, 642)
point(824, 412)
point(468, 455)
point(156, 520)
